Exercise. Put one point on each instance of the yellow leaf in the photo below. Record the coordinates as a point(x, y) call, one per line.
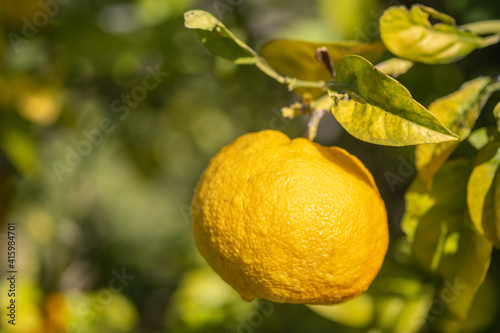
point(296, 58)
point(376, 108)
point(483, 193)
point(458, 112)
point(409, 35)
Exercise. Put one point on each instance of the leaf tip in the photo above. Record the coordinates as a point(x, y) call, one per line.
point(199, 19)
point(188, 18)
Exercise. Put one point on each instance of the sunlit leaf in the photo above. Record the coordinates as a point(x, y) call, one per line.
point(375, 108)
point(20, 148)
point(118, 313)
point(204, 300)
point(496, 113)
point(410, 35)
point(483, 192)
point(458, 112)
point(442, 237)
point(357, 312)
point(480, 137)
point(394, 66)
point(297, 59)
point(398, 294)
point(418, 204)
point(28, 294)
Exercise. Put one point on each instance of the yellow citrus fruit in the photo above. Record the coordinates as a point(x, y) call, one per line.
point(290, 221)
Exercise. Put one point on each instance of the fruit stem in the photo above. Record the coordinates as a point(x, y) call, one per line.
point(295, 83)
point(315, 108)
point(292, 83)
point(312, 124)
point(318, 109)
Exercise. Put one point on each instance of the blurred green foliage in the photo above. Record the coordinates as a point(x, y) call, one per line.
point(119, 204)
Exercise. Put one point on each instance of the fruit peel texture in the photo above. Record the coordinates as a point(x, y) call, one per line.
point(290, 221)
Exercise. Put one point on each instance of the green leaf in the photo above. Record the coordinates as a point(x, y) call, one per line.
point(432, 216)
point(221, 42)
point(483, 192)
point(487, 27)
point(443, 238)
point(480, 137)
point(465, 271)
point(394, 66)
point(218, 39)
point(376, 108)
point(458, 112)
point(357, 312)
point(409, 35)
point(297, 59)
point(19, 145)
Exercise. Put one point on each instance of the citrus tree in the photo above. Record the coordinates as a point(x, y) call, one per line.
point(452, 217)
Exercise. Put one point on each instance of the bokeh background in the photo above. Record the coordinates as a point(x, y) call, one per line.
point(103, 230)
